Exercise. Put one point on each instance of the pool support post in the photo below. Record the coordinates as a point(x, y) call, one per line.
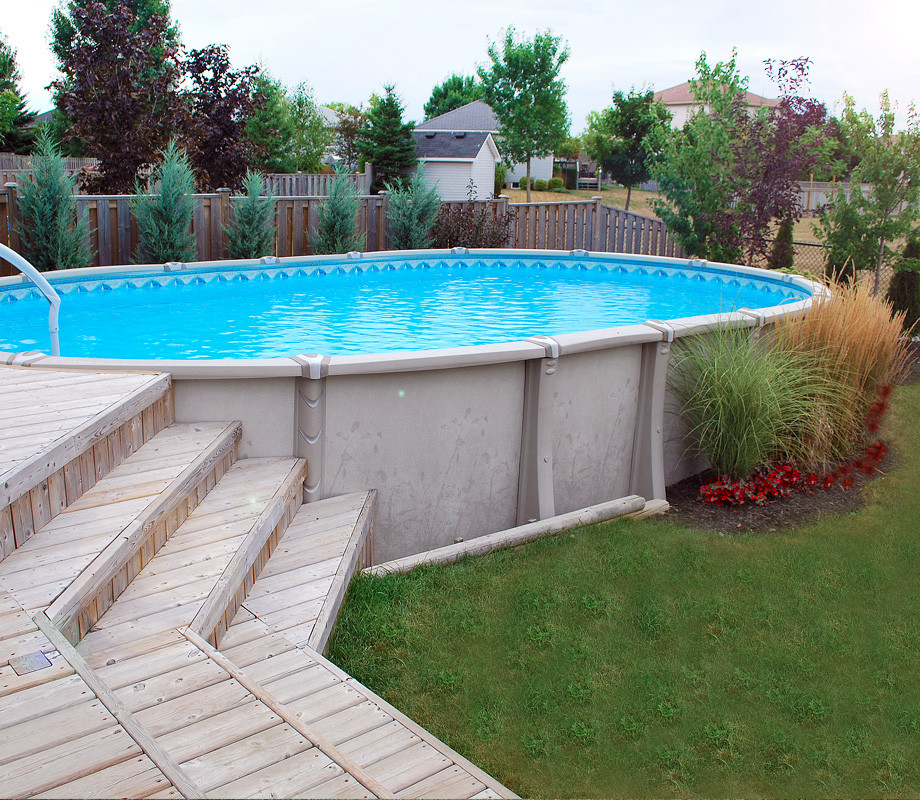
point(311, 422)
point(647, 474)
point(535, 482)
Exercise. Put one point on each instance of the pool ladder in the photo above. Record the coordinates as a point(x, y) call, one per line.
point(53, 298)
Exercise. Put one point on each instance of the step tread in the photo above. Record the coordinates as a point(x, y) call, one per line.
point(170, 589)
point(296, 592)
point(39, 569)
point(62, 414)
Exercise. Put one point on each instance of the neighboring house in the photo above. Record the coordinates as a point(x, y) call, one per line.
point(452, 158)
point(478, 117)
point(679, 100)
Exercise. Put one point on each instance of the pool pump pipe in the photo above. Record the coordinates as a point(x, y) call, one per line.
point(53, 298)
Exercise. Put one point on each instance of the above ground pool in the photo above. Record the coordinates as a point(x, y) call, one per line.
point(378, 303)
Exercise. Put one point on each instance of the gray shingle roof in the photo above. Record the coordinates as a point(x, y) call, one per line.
point(432, 145)
point(475, 116)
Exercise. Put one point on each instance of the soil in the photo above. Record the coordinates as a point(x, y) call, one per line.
point(793, 511)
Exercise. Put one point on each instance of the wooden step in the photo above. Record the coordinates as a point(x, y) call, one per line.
point(80, 561)
point(60, 432)
point(201, 574)
point(301, 588)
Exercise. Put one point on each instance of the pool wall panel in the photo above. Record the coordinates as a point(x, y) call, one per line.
point(442, 447)
point(596, 401)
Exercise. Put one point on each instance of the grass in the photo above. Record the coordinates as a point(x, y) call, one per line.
point(643, 659)
point(613, 196)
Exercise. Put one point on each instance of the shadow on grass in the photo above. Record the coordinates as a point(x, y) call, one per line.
point(645, 659)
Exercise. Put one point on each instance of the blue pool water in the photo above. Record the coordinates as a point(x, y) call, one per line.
point(270, 313)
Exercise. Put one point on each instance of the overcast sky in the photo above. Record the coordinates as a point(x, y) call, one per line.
point(350, 48)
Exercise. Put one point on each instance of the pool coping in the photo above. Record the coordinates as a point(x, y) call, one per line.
point(315, 366)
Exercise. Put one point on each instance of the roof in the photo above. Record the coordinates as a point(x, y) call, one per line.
point(475, 116)
point(454, 145)
point(682, 95)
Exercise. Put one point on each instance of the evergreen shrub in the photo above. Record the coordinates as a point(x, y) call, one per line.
point(252, 232)
point(539, 185)
point(412, 211)
point(52, 236)
point(337, 230)
point(164, 217)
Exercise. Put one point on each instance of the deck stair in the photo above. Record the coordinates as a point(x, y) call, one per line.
point(165, 606)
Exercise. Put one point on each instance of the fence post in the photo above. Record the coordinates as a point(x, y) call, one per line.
point(12, 202)
point(223, 206)
point(502, 209)
point(383, 224)
point(596, 223)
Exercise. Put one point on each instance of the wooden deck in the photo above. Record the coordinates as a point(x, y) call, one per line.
point(162, 624)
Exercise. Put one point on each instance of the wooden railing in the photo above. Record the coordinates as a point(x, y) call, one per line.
point(584, 224)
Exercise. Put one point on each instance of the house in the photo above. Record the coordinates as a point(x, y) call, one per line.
point(679, 100)
point(453, 158)
point(478, 117)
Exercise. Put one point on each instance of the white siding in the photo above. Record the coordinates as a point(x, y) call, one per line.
point(540, 169)
point(450, 177)
point(483, 173)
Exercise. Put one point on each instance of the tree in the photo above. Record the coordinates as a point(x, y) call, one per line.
point(52, 235)
point(270, 127)
point(352, 121)
point(451, 93)
point(312, 135)
point(616, 137)
point(164, 218)
point(729, 175)
point(252, 234)
point(861, 227)
point(412, 211)
point(16, 135)
point(67, 43)
point(524, 90)
point(221, 101)
point(386, 141)
point(337, 230)
point(119, 87)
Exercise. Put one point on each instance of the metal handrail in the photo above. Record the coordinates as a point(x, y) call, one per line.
point(53, 298)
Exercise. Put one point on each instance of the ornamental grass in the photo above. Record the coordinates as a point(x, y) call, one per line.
point(855, 338)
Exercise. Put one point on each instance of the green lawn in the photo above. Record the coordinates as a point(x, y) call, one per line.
point(643, 659)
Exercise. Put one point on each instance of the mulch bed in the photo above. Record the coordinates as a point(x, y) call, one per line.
point(793, 511)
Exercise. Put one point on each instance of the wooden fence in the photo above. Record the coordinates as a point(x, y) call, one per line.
point(586, 225)
point(301, 184)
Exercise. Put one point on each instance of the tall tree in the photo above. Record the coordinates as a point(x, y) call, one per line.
point(862, 228)
point(16, 135)
point(270, 127)
point(729, 175)
point(221, 101)
point(451, 93)
point(616, 137)
point(66, 37)
point(386, 141)
point(312, 134)
point(527, 95)
point(119, 88)
point(347, 134)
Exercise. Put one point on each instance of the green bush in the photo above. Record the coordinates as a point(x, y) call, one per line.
point(555, 185)
point(782, 253)
point(412, 210)
point(749, 405)
point(904, 291)
point(523, 182)
point(164, 219)
point(252, 233)
point(337, 230)
point(51, 234)
point(539, 185)
point(501, 173)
